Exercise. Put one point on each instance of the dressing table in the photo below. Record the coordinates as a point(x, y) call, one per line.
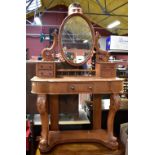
point(76, 40)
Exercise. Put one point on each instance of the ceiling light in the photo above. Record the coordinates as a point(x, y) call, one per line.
point(37, 21)
point(113, 24)
point(85, 41)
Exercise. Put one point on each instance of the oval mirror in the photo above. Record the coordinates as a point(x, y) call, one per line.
point(76, 38)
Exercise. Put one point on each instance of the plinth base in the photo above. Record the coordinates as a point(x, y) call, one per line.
point(61, 137)
point(83, 149)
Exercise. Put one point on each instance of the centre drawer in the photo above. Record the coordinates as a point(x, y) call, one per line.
point(78, 87)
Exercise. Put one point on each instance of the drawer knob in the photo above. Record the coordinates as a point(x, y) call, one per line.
point(72, 88)
point(90, 87)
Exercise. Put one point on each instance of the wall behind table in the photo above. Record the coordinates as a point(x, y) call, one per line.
point(33, 42)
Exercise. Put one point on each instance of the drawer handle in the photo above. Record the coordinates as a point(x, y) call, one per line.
point(72, 87)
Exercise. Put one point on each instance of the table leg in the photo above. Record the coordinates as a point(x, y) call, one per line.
point(42, 107)
point(54, 111)
point(114, 106)
point(97, 113)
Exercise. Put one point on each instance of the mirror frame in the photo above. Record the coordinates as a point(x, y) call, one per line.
point(60, 37)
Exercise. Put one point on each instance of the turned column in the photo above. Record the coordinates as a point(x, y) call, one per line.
point(42, 107)
point(114, 106)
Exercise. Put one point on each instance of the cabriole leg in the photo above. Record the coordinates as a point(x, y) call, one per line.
point(42, 107)
point(114, 106)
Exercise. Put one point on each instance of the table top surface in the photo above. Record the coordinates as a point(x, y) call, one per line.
point(75, 79)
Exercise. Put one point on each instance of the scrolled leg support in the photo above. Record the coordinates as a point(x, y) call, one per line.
point(114, 106)
point(42, 107)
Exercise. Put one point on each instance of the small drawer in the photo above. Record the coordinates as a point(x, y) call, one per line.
point(117, 86)
point(45, 66)
point(108, 73)
point(106, 70)
point(45, 73)
point(74, 87)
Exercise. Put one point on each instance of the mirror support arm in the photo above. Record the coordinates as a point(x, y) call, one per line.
point(47, 52)
point(101, 55)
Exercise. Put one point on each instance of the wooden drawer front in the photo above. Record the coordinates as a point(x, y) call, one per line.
point(45, 66)
point(45, 70)
point(57, 88)
point(45, 73)
point(108, 72)
point(79, 88)
point(102, 87)
point(117, 86)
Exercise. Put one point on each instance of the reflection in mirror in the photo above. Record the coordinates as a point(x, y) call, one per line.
point(77, 40)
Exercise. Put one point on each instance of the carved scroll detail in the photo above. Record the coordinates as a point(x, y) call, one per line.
point(101, 55)
point(48, 53)
point(42, 109)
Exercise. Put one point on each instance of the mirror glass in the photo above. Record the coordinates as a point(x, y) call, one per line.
point(76, 40)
